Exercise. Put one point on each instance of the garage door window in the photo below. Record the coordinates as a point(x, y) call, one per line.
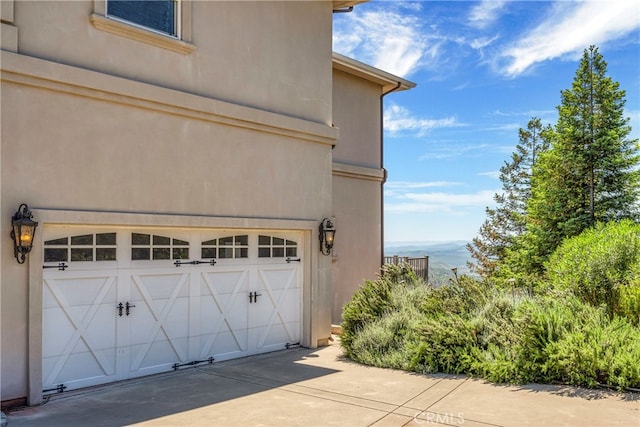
point(85, 247)
point(157, 247)
point(226, 247)
point(276, 247)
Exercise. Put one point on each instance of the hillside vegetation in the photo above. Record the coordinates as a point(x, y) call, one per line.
point(563, 332)
point(558, 299)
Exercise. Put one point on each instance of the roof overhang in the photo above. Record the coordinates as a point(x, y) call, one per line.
point(344, 5)
point(388, 81)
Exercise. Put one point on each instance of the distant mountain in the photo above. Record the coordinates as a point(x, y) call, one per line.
point(443, 257)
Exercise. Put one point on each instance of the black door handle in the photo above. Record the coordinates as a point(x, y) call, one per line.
point(120, 307)
point(127, 307)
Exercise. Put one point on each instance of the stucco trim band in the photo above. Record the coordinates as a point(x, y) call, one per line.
point(29, 71)
point(358, 172)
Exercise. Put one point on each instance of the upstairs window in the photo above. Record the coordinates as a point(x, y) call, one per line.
point(156, 15)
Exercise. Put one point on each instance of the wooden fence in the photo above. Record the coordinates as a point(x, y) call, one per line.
point(419, 265)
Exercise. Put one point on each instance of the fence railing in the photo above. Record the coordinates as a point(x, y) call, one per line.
point(419, 265)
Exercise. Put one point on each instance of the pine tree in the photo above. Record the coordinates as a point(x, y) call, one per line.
point(590, 174)
point(508, 220)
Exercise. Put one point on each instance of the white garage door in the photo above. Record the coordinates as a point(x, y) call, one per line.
point(122, 303)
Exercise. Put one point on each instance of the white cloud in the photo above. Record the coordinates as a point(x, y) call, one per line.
point(491, 174)
point(528, 113)
point(439, 202)
point(485, 13)
point(482, 42)
point(453, 150)
point(407, 185)
point(398, 119)
point(385, 38)
point(568, 30)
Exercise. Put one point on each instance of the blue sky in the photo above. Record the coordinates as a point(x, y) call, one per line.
point(483, 70)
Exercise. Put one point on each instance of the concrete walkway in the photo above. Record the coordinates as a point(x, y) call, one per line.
point(301, 387)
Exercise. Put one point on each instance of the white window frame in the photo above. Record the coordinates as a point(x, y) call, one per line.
point(180, 43)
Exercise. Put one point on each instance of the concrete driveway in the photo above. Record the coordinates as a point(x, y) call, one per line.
point(302, 387)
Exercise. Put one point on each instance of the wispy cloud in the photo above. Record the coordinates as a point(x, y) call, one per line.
point(398, 189)
point(385, 38)
point(491, 174)
point(454, 150)
point(569, 28)
point(399, 120)
point(439, 202)
point(485, 13)
point(407, 185)
point(528, 113)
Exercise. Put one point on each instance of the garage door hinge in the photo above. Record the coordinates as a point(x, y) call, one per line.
point(61, 266)
point(289, 345)
point(193, 363)
point(58, 389)
point(179, 262)
point(289, 260)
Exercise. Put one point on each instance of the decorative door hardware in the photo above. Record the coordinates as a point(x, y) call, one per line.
point(192, 363)
point(61, 266)
point(253, 297)
point(179, 262)
point(126, 308)
point(290, 260)
point(58, 389)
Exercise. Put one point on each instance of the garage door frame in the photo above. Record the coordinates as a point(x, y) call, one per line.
point(316, 275)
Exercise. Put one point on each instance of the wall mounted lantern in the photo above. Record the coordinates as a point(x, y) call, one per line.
point(327, 233)
point(23, 228)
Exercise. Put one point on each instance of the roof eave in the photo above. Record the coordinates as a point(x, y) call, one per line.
point(388, 81)
point(345, 4)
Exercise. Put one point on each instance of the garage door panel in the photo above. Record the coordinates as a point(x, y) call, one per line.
point(82, 365)
point(223, 308)
point(177, 313)
point(224, 345)
point(157, 356)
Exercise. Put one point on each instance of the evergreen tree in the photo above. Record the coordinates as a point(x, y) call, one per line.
point(590, 174)
point(508, 220)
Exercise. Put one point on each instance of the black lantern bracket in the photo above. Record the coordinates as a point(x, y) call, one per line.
point(23, 229)
point(327, 234)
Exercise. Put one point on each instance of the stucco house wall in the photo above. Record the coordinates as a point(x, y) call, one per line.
point(358, 174)
point(247, 123)
point(232, 132)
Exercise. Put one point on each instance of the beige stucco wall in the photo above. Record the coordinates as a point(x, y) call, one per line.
point(357, 186)
point(358, 238)
point(253, 53)
point(235, 134)
point(356, 109)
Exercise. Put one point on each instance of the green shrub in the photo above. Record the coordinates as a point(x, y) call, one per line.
point(372, 300)
point(627, 302)
point(469, 327)
point(567, 340)
point(597, 261)
point(446, 345)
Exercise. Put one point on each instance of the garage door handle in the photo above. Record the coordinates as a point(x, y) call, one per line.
point(127, 307)
point(289, 260)
point(253, 297)
point(120, 307)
